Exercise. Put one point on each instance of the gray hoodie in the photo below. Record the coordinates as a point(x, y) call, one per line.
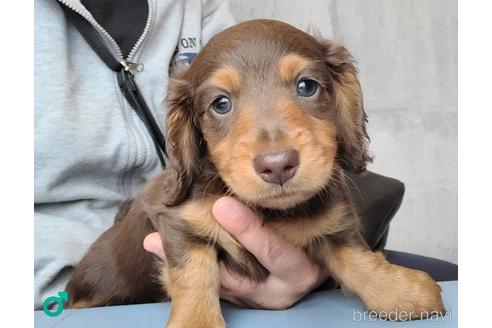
point(91, 149)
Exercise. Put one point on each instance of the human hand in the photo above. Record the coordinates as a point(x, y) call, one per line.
point(292, 274)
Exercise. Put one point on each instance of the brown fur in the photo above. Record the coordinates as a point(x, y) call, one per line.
point(384, 287)
point(257, 64)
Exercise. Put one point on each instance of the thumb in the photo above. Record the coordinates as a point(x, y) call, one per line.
point(269, 248)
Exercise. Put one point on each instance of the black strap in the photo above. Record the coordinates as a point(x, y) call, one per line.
point(93, 38)
point(125, 77)
point(134, 97)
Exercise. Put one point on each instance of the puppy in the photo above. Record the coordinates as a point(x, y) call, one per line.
point(271, 116)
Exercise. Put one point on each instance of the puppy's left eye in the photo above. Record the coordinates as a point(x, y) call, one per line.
point(222, 105)
point(307, 88)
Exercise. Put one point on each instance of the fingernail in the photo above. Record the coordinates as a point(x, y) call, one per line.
point(152, 244)
point(224, 209)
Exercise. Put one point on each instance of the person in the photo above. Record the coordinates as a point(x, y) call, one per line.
point(92, 151)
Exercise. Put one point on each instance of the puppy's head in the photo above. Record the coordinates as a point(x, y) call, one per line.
point(273, 109)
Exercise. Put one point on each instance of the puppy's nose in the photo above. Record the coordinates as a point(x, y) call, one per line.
point(277, 168)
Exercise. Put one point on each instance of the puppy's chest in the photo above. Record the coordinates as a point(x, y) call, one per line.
point(300, 229)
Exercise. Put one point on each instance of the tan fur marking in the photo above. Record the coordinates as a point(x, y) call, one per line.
point(226, 78)
point(242, 139)
point(303, 231)
point(194, 290)
point(291, 65)
point(384, 287)
point(198, 214)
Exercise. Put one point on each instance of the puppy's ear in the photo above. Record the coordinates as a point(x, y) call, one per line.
point(351, 118)
point(182, 135)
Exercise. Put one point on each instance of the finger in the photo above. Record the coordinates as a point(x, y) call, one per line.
point(232, 299)
point(233, 284)
point(272, 251)
point(152, 243)
point(238, 289)
point(272, 293)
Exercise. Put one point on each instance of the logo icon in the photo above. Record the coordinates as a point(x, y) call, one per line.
point(63, 297)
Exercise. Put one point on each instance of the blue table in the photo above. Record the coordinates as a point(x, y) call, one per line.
point(320, 309)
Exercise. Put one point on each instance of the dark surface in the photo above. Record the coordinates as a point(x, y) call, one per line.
point(377, 199)
point(439, 270)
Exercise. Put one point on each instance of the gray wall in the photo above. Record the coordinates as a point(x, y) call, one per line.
point(407, 55)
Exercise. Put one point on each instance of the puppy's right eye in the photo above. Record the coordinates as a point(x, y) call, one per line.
point(222, 105)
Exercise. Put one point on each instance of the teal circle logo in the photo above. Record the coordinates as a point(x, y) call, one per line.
point(63, 297)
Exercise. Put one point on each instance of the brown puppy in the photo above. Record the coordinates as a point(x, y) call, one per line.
point(270, 115)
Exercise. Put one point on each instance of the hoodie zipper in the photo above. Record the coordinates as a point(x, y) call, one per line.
point(115, 48)
point(125, 75)
point(144, 33)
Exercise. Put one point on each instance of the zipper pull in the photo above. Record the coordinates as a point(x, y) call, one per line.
point(132, 68)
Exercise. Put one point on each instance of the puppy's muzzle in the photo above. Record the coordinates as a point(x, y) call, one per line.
point(277, 168)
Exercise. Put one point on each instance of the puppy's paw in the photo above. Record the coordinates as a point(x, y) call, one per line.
point(406, 294)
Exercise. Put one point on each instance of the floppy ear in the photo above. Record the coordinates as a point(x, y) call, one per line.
point(351, 119)
point(182, 136)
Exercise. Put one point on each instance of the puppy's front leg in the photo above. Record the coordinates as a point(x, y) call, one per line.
point(193, 285)
point(388, 289)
